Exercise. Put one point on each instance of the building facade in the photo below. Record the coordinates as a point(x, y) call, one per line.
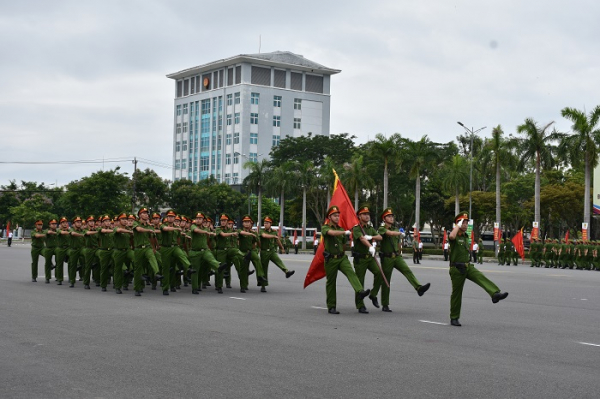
point(235, 110)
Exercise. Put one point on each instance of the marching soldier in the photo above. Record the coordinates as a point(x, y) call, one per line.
point(415, 248)
point(461, 269)
point(121, 235)
point(75, 249)
point(391, 259)
point(363, 255)
point(171, 254)
point(37, 248)
point(61, 251)
point(200, 254)
point(89, 251)
point(105, 244)
point(501, 252)
point(269, 241)
point(50, 250)
point(480, 252)
point(248, 245)
point(334, 238)
point(143, 252)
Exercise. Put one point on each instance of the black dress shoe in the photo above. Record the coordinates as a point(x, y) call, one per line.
point(118, 291)
point(251, 272)
point(362, 294)
point(52, 267)
point(145, 277)
point(71, 285)
point(165, 292)
point(386, 309)
point(126, 288)
point(498, 296)
point(47, 281)
point(203, 285)
point(33, 280)
point(153, 287)
point(226, 274)
point(137, 293)
point(222, 267)
point(363, 310)
point(375, 301)
point(455, 322)
point(87, 287)
point(263, 289)
point(242, 290)
point(289, 273)
point(195, 292)
point(261, 280)
point(159, 277)
point(59, 283)
point(103, 289)
point(80, 278)
point(228, 285)
point(97, 284)
point(220, 290)
point(333, 311)
point(173, 289)
point(423, 289)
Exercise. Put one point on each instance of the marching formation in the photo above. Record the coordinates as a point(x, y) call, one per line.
point(578, 254)
point(147, 250)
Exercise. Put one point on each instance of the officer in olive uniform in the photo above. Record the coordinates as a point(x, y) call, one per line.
point(171, 253)
point(37, 248)
point(75, 249)
point(201, 257)
point(249, 241)
point(363, 255)
point(501, 252)
point(143, 253)
point(269, 241)
point(480, 252)
point(63, 242)
point(461, 269)
point(335, 237)
point(51, 243)
point(391, 259)
point(121, 235)
point(89, 251)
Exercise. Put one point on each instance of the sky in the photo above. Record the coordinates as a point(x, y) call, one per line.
point(86, 80)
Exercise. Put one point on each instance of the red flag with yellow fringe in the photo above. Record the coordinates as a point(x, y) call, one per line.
point(348, 219)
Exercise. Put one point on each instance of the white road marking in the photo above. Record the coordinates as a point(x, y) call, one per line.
point(433, 322)
point(587, 343)
point(241, 299)
point(318, 307)
point(583, 299)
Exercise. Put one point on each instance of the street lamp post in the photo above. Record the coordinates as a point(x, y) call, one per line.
point(471, 133)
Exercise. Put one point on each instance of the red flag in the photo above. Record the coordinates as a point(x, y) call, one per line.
point(7, 228)
point(567, 236)
point(348, 219)
point(472, 239)
point(517, 240)
point(500, 236)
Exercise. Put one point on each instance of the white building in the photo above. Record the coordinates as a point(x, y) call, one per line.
point(233, 110)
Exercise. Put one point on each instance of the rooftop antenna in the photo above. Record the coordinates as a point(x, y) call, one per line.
point(259, 43)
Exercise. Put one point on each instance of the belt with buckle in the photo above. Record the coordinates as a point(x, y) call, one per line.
point(142, 246)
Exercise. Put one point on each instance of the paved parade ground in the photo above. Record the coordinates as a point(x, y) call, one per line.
point(543, 341)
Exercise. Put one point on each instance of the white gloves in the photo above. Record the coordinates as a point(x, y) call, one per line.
point(460, 222)
point(368, 238)
point(372, 251)
point(347, 232)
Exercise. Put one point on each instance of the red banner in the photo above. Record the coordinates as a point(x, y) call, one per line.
point(348, 219)
point(517, 240)
point(445, 238)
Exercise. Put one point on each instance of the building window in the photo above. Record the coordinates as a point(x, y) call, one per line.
point(276, 140)
point(277, 101)
point(185, 109)
point(237, 118)
point(277, 121)
point(220, 124)
point(177, 146)
point(204, 143)
point(254, 97)
point(185, 127)
point(237, 97)
point(228, 139)
point(253, 138)
point(229, 99)
point(228, 119)
point(227, 159)
point(236, 158)
point(254, 119)
point(236, 137)
point(178, 128)
point(296, 123)
point(184, 145)
point(204, 163)
point(177, 164)
point(227, 177)
point(183, 165)
point(253, 157)
point(191, 109)
point(297, 103)
point(178, 110)
point(235, 178)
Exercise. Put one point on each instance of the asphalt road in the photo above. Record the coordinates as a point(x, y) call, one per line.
point(543, 341)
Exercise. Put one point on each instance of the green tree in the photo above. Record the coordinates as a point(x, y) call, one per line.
point(456, 178)
point(356, 176)
point(150, 190)
point(37, 207)
point(185, 196)
point(338, 147)
point(280, 180)
point(584, 140)
point(256, 179)
point(535, 146)
point(386, 149)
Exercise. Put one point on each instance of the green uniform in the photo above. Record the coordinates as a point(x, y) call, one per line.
point(247, 245)
point(172, 255)
point(90, 256)
point(480, 252)
point(37, 250)
point(363, 261)
point(143, 255)
point(336, 260)
point(390, 260)
point(228, 253)
point(61, 254)
point(459, 256)
point(105, 244)
point(268, 253)
point(201, 256)
point(75, 254)
point(119, 256)
point(50, 241)
point(501, 252)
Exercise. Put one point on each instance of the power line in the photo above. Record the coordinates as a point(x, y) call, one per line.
point(89, 161)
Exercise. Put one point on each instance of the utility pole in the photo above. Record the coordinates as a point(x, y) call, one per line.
point(133, 178)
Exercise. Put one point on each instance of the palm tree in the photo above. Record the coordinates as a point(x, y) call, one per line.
point(422, 155)
point(535, 146)
point(456, 178)
point(256, 179)
point(306, 176)
point(279, 181)
point(584, 140)
point(386, 148)
point(356, 176)
point(501, 155)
